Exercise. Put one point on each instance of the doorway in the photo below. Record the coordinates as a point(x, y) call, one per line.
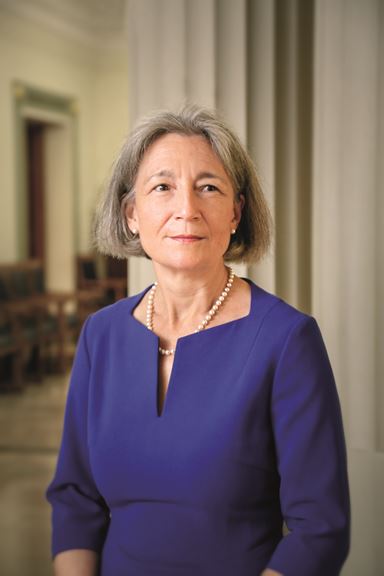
point(46, 182)
point(34, 135)
point(49, 198)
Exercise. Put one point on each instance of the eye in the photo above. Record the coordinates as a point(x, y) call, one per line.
point(161, 188)
point(210, 188)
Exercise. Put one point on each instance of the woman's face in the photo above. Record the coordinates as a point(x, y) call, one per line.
point(184, 208)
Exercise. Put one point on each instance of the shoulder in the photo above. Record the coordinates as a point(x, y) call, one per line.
point(277, 321)
point(275, 311)
point(292, 341)
point(117, 311)
point(112, 321)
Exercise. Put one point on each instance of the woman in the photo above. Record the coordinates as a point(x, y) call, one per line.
point(202, 412)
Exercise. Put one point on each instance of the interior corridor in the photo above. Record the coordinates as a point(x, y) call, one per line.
point(30, 431)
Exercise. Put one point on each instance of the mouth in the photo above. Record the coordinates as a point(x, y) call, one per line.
point(186, 238)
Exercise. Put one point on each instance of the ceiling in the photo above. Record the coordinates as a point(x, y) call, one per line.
point(88, 19)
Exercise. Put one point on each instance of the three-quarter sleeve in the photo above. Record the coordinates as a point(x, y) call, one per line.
point(311, 458)
point(79, 515)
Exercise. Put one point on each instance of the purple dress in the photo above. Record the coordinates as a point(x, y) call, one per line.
point(250, 435)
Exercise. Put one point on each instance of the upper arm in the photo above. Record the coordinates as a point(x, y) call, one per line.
point(311, 456)
point(79, 514)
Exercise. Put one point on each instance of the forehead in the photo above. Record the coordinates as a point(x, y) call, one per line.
point(174, 150)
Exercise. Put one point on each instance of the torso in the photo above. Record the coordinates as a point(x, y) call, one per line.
point(210, 451)
point(237, 306)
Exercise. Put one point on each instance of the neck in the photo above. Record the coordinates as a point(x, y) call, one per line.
point(183, 298)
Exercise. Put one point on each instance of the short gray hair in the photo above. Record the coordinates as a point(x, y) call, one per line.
point(253, 236)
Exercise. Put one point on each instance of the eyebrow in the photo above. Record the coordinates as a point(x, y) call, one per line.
point(161, 173)
point(200, 176)
point(210, 175)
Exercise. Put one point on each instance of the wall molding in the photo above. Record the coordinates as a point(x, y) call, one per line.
point(31, 102)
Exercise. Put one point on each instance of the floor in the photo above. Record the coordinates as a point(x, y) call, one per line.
point(30, 431)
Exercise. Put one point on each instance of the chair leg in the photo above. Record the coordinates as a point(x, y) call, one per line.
point(17, 371)
point(61, 355)
point(12, 373)
point(62, 339)
point(35, 364)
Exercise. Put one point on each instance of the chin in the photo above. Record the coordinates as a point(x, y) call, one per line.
point(184, 263)
point(187, 259)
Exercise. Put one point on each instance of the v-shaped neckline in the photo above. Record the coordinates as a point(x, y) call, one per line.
point(161, 414)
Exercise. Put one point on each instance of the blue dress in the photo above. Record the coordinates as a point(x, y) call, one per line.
point(250, 435)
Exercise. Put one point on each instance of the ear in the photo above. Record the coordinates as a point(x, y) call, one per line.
point(131, 216)
point(237, 210)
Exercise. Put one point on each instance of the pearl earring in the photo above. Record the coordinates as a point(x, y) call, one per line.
point(233, 231)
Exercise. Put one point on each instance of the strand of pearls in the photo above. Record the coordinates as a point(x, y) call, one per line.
point(203, 324)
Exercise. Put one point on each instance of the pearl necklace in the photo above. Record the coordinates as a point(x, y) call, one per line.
point(203, 324)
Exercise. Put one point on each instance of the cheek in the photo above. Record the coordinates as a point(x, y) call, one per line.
point(220, 233)
point(223, 219)
point(151, 219)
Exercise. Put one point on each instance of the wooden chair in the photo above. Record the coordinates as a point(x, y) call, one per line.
point(66, 310)
point(49, 321)
point(10, 349)
point(16, 305)
point(89, 278)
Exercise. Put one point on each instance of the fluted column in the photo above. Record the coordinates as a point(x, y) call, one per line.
point(347, 255)
point(261, 139)
point(187, 51)
point(250, 59)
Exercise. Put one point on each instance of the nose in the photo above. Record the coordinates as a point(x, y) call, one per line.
point(187, 207)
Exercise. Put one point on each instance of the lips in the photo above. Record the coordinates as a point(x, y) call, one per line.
point(186, 238)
